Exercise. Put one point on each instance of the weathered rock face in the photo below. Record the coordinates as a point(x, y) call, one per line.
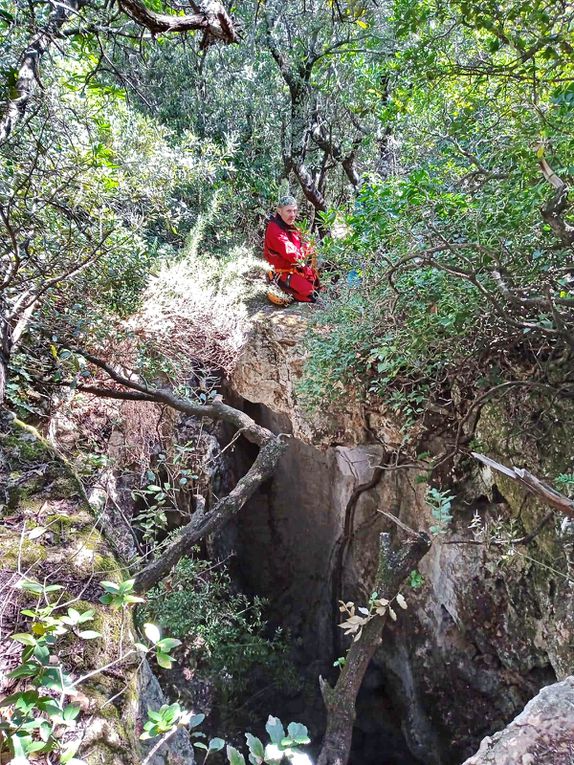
point(268, 369)
point(490, 624)
point(543, 734)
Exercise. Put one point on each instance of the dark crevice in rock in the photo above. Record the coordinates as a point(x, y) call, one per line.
point(474, 645)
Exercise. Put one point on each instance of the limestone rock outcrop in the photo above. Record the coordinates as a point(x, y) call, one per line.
point(543, 734)
point(269, 367)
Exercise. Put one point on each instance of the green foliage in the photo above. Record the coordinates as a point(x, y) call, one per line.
point(416, 580)
point(457, 264)
point(282, 745)
point(119, 595)
point(565, 483)
point(181, 470)
point(225, 630)
point(37, 719)
point(168, 717)
point(440, 503)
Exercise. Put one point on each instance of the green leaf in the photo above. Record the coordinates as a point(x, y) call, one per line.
point(298, 733)
point(42, 653)
point(164, 660)
point(167, 644)
point(27, 698)
point(24, 638)
point(216, 744)
point(110, 586)
point(234, 756)
point(45, 730)
point(89, 634)
point(25, 670)
point(50, 707)
point(29, 586)
point(70, 751)
point(37, 532)
point(196, 720)
point(71, 712)
point(35, 746)
point(275, 729)
point(152, 633)
point(200, 745)
point(256, 749)
point(18, 750)
point(133, 599)
point(127, 586)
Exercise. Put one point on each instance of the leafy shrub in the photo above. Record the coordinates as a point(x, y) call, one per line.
point(226, 632)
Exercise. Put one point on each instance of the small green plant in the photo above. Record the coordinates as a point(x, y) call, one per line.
point(440, 503)
point(161, 495)
point(34, 719)
point(416, 579)
point(565, 483)
point(282, 745)
point(119, 595)
point(168, 717)
point(226, 631)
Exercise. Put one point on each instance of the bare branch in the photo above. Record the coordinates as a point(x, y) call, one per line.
point(212, 19)
point(533, 484)
point(553, 210)
point(394, 567)
point(203, 524)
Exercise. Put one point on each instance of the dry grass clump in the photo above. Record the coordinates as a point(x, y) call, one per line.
point(196, 310)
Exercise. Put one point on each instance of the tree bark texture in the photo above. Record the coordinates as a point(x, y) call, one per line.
point(394, 567)
point(211, 18)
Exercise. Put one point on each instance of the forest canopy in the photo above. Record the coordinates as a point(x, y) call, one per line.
point(435, 138)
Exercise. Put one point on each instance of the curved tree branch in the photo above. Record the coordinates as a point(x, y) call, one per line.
point(211, 18)
point(271, 448)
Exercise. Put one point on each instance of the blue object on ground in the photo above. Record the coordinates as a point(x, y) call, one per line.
point(353, 278)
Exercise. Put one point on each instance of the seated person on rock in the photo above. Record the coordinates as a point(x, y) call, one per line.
point(286, 251)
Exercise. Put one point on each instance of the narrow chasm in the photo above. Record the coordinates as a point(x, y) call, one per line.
point(289, 548)
point(458, 664)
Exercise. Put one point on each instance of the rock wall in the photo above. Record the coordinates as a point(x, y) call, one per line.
point(490, 624)
point(543, 734)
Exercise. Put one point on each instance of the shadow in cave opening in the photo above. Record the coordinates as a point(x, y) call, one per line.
point(377, 735)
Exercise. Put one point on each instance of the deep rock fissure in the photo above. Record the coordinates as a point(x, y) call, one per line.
point(456, 667)
point(290, 541)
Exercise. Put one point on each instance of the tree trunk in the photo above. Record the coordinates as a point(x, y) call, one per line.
point(28, 67)
point(394, 567)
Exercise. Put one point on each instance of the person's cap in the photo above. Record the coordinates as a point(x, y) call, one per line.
point(287, 200)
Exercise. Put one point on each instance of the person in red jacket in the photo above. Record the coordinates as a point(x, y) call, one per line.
point(285, 250)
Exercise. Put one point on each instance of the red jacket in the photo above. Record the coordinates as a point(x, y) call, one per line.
point(283, 246)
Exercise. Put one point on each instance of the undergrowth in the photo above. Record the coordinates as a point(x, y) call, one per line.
point(225, 635)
